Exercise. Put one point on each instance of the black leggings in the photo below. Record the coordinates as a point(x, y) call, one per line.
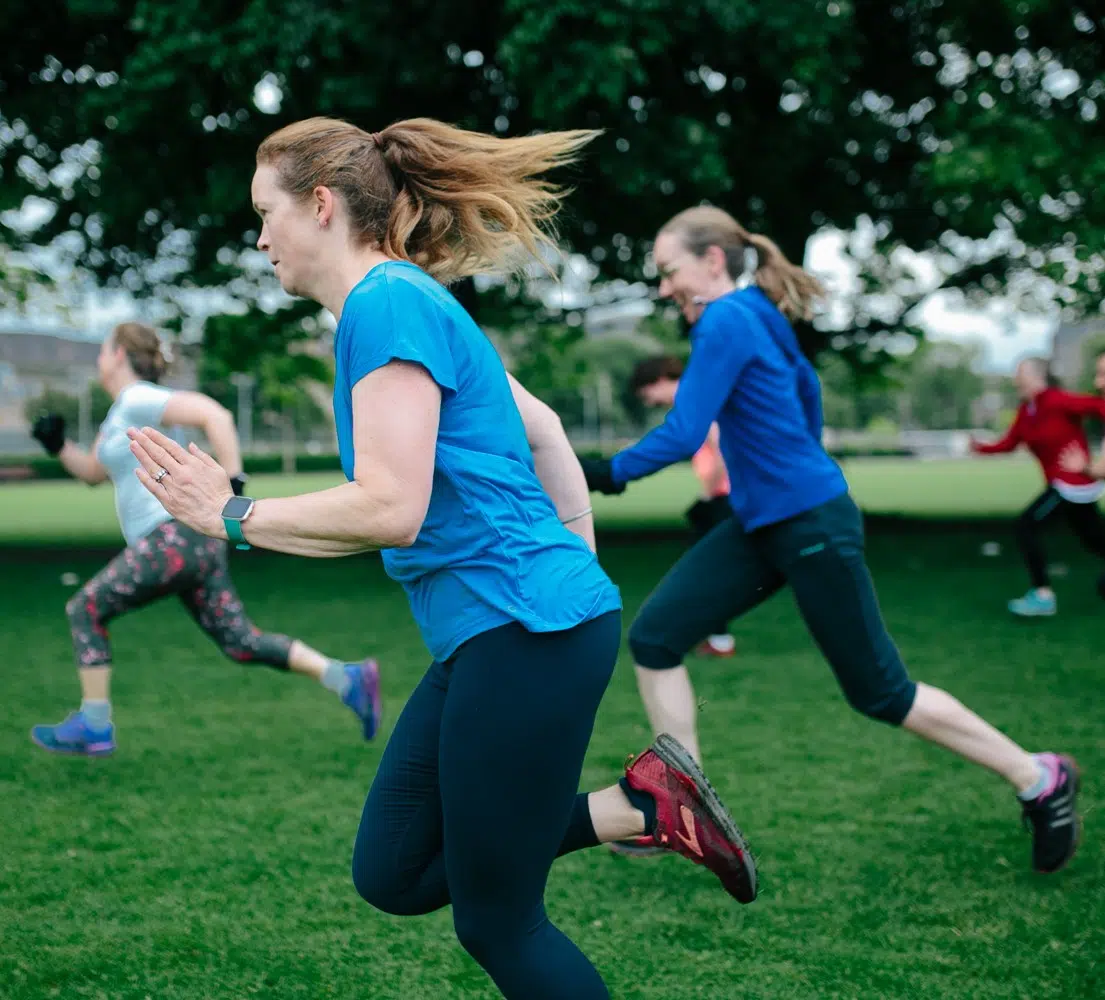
point(477, 793)
point(171, 559)
point(1084, 519)
point(819, 555)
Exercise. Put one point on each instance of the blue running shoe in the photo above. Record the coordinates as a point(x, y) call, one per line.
point(73, 736)
point(1034, 605)
point(363, 695)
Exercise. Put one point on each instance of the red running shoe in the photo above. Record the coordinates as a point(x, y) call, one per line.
point(690, 818)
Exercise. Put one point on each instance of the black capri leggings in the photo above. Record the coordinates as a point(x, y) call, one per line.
point(819, 554)
point(171, 559)
point(477, 793)
point(1084, 519)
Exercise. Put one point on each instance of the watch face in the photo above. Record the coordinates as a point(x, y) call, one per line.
point(237, 507)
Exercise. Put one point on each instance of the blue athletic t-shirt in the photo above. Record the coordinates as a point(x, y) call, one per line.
point(492, 549)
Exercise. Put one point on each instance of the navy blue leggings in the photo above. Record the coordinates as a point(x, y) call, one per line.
point(820, 555)
point(478, 792)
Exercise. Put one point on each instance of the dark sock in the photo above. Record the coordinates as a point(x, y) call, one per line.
point(581, 831)
point(641, 801)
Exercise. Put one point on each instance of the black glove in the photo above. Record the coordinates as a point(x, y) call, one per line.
point(705, 515)
point(49, 431)
point(238, 483)
point(600, 477)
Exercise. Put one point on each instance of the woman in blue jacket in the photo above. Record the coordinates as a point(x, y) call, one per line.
point(795, 524)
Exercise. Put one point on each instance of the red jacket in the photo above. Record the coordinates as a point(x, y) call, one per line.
point(1047, 425)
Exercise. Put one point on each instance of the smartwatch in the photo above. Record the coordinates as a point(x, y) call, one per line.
point(234, 512)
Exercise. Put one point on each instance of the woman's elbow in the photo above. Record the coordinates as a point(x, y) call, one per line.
point(404, 531)
point(406, 539)
point(544, 427)
point(387, 511)
point(218, 427)
point(221, 420)
point(93, 475)
point(402, 528)
point(550, 421)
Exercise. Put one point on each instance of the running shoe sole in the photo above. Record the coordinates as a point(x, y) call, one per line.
point(107, 751)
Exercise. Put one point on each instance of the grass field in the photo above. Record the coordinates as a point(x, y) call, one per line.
point(68, 512)
point(209, 858)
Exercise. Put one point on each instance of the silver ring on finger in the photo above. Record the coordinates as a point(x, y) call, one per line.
point(161, 474)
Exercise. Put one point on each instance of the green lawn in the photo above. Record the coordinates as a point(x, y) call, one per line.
point(209, 858)
point(69, 511)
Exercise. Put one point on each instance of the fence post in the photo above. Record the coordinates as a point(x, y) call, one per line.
point(244, 383)
point(84, 415)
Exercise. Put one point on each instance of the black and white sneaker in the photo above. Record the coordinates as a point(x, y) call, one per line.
point(1053, 816)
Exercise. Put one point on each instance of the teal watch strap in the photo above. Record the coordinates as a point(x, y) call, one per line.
point(234, 533)
point(233, 520)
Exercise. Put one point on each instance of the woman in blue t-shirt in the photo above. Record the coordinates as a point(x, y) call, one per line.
point(795, 524)
point(470, 488)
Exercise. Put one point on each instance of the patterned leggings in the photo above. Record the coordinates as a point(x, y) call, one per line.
point(171, 559)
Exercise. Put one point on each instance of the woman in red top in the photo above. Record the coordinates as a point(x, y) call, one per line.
point(1048, 422)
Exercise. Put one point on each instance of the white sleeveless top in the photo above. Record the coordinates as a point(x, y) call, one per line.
point(140, 404)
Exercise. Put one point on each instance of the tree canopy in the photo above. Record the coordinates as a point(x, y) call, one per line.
point(941, 123)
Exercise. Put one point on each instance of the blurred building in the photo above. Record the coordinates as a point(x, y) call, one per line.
point(1069, 346)
point(34, 360)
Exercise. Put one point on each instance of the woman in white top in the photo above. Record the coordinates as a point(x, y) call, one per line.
point(164, 557)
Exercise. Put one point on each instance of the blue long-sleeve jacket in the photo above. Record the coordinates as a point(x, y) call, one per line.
point(747, 372)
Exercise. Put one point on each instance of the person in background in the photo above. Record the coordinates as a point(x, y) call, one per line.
point(1077, 460)
point(654, 382)
point(1049, 423)
point(795, 524)
point(163, 557)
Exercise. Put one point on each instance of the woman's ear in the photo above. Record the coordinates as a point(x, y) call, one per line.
point(715, 259)
point(324, 206)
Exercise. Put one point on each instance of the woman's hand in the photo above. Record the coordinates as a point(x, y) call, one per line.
point(190, 484)
point(1073, 458)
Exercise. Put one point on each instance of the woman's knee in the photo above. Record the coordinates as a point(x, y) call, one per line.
point(476, 935)
point(383, 887)
point(888, 702)
point(651, 647)
point(1026, 527)
point(246, 644)
point(374, 885)
point(81, 607)
point(487, 933)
